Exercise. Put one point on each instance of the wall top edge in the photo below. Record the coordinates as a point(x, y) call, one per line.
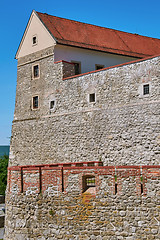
point(78, 165)
point(111, 67)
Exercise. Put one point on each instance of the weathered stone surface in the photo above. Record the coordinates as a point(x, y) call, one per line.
point(77, 219)
point(121, 128)
point(102, 214)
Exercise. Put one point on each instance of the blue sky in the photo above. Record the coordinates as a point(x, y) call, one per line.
point(138, 16)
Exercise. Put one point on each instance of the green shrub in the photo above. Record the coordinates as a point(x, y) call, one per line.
point(3, 173)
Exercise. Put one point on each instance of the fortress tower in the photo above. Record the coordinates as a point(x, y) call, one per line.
point(85, 147)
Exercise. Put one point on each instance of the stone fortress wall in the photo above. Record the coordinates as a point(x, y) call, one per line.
point(41, 207)
point(121, 128)
point(52, 150)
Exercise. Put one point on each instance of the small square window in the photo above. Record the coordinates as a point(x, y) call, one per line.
point(145, 89)
point(35, 102)
point(36, 71)
point(98, 66)
point(34, 39)
point(52, 104)
point(92, 97)
point(88, 182)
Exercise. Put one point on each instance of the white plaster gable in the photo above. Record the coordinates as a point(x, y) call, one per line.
point(34, 28)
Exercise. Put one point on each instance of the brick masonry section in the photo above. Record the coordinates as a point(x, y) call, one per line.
point(67, 177)
point(49, 203)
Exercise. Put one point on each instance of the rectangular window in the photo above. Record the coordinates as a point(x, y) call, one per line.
point(34, 40)
point(35, 102)
point(145, 89)
point(116, 188)
point(92, 97)
point(141, 188)
point(88, 182)
point(77, 67)
point(52, 104)
point(98, 66)
point(36, 71)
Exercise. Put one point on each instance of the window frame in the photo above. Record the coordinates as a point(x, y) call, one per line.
point(35, 108)
point(85, 186)
point(52, 109)
point(94, 97)
point(148, 89)
point(34, 36)
point(33, 71)
point(141, 89)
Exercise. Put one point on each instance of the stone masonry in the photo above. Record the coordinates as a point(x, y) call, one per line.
point(53, 149)
point(38, 207)
point(120, 128)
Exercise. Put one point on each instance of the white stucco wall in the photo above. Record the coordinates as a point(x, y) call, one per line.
point(88, 58)
point(34, 28)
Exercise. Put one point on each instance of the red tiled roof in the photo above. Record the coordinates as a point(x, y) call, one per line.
point(89, 36)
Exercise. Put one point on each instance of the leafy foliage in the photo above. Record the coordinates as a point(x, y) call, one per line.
point(3, 173)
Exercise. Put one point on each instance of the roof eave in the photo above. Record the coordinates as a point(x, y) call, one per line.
point(110, 51)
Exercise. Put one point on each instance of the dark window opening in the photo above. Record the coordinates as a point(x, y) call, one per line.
point(62, 180)
point(116, 188)
point(67, 165)
point(90, 164)
point(145, 89)
point(88, 181)
point(34, 40)
point(36, 71)
point(98, 66)
point(52, 104)
point(40, 180)
point(77, 67)
point(141, 188)
point(79, 164)
point(35, 102)
point(21, 180)
point(100, 164)
point(55, 165)
point(92, 97)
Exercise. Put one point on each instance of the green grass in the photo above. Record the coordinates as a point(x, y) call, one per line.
point(3, 173)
